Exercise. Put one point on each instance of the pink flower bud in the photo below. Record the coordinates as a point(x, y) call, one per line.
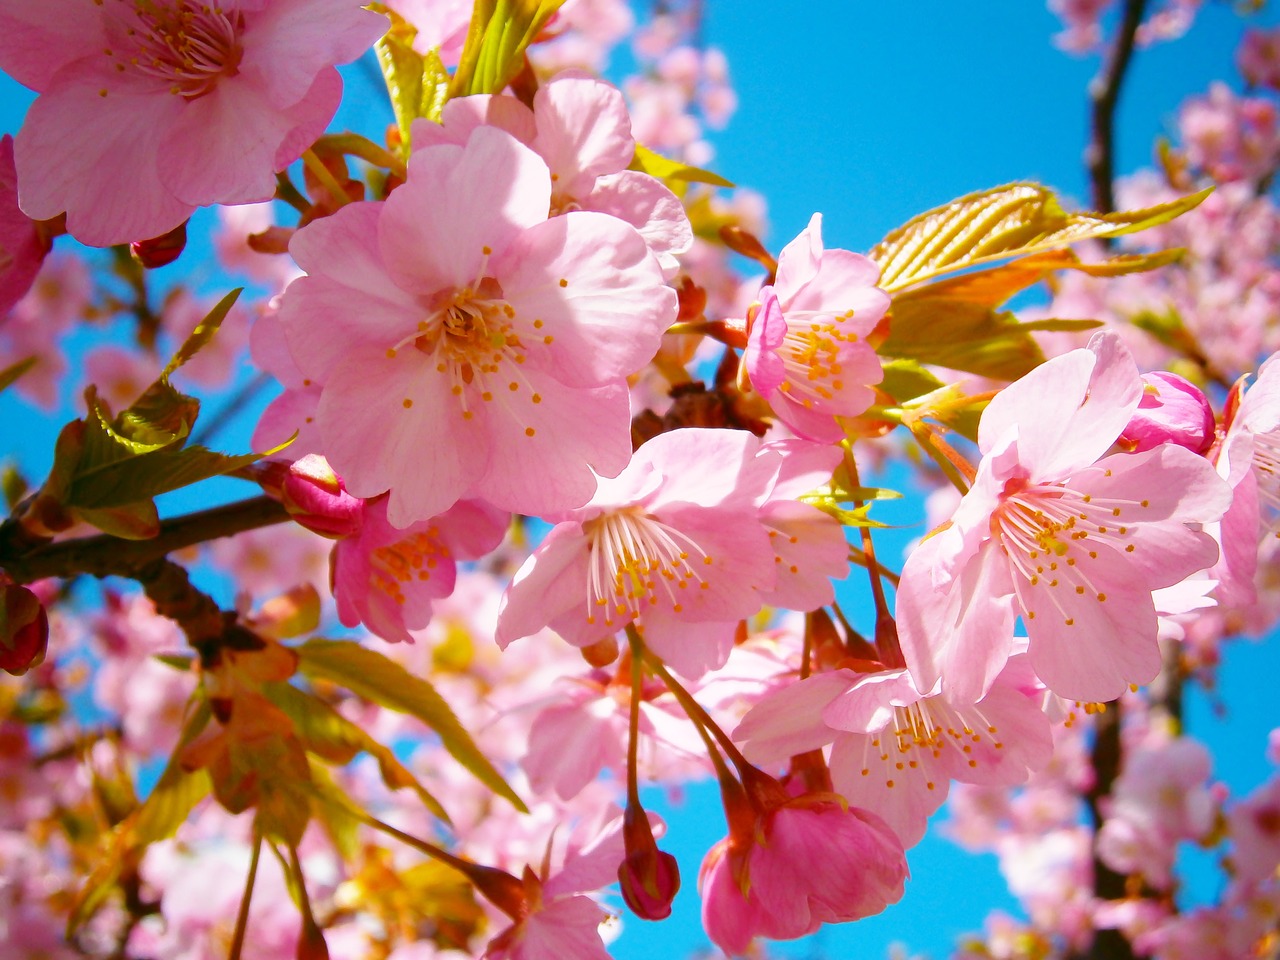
point(162, 250)
point(315, 496)
point(1172, 410)
point(650, 880)
point(24, 630)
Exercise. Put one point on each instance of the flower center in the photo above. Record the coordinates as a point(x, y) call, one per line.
point(1050, 532)
point(412, 558)
point(812, 351)
point(637, 560)
point(470, 336)
point(187, 46)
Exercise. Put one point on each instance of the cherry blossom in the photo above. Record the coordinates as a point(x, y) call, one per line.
point(440, 320)
point(1056, 532)
point(698, 532)
point(580, 127)
point(807, 352)
point(185, 103)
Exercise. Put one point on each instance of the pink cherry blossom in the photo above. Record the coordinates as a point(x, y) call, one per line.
point(580, 127)
point(896, 751)
point(1056, 532)
point(148, 110)
point(698, 532)
point(1254, 827)
point(1259, 57)
point(807, 352)
point(812, 861)
point(387, 577)
point(467, 346)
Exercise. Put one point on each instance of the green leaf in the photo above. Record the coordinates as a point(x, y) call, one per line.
point(369, 674)
point(12, 372)
point(203, 332)
point(417, 85)
point(656, 165)
point(147, 475)
point(906, 379)
point(1020, 218)
point(335, 739)
point(499, 34)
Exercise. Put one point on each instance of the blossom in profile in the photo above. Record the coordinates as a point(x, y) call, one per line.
point(1055, 531)
point(698, 532)
point(149, 109)
point(808, 861)
point(467, 346)
point(807, 352)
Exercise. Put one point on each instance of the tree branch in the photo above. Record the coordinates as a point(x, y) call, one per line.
point(110, 556)
point(1104, 95)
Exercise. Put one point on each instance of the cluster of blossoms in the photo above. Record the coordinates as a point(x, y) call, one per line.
point(583, 505)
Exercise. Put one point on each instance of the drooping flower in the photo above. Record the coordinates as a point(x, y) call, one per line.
point(1056, 532)
point(699, 531)
point(467, 346)
point(149, 109)
point(579, 125)
point(808, 861)
point(807, 352)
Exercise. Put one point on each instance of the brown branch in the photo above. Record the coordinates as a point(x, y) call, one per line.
point(1104, 95)
point(110, 556)
point(1107, 757)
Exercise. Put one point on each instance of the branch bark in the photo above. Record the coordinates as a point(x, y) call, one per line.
point(1104, 95)
point(110, 556)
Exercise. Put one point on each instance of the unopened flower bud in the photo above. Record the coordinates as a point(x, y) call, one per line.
point(650, 880)
point(1172, 410)
point(315, 496)
point(24, 630)
point(160, 251)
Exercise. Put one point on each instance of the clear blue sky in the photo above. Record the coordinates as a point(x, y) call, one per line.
point(871, 112)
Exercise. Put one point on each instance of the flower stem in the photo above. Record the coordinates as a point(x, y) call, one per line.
point(242, 916)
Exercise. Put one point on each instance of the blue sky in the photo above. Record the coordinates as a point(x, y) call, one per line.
point(870, 113)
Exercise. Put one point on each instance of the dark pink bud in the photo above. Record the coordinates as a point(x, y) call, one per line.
point(315, 496)
point(160, 251)
point(24, 630)
point(1172, 410)
point(650, 880)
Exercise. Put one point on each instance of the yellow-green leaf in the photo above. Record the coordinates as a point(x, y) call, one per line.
point(369, 674)
point(417, 85)
point(656, 165)
point(142, 477)
point(12, 372)
point(499, 34)
point(335, 739)
point(991, 225)
point(203, 332)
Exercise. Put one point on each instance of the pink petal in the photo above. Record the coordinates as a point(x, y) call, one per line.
point(597, 290)
point(642, 201)
point(456, 204)
point(768, 331)
point(551, 583)
point(461, 115)
point(584, 131)
point(798, 262)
